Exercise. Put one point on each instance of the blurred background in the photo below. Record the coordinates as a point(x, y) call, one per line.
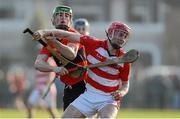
point(155, 78)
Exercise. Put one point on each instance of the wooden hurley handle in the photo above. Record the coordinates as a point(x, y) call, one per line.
point(63, 60)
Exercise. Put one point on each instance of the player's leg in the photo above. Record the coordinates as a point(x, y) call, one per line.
point(109, 111)
point(72, 112)
point(82, 107)
point(72, 92)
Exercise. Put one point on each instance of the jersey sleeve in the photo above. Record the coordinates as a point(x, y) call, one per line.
point(45, 51)
point(125, 72)
point(89, 42)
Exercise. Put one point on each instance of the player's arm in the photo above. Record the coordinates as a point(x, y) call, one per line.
point(42, 65)
point(75, 37)
point(69, 51)
point(123, 90)
point(124, 82)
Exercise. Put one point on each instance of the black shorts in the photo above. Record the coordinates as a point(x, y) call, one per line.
point(72, 92)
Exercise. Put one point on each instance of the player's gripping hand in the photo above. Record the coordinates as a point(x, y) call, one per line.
point(117, 95)
point(42, 34)
point(38, 35)
point(60, 70)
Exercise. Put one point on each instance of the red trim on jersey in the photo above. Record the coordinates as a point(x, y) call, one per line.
point(96, 85)
point(125, 71)
point(104, 74)
point(98, 56)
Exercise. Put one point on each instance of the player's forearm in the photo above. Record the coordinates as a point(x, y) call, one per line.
point(65, 50)
point(43, 66)
point(62, 34)
point(124, 89)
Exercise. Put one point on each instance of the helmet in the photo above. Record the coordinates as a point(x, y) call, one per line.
point(82, 26)
point(62, 8)
point(118, 26)
point(81, 22)
point(56, 21)
point(118, 29)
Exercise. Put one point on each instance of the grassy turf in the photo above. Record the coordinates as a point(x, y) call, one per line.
point(124, 113)
point(148, 113)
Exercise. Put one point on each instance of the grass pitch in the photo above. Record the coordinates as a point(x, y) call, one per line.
point(123, 113)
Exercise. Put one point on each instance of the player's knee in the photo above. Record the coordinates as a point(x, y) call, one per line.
point(110, 111)
point(72, 112)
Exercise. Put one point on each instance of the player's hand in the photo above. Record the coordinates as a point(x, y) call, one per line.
point(38, 35)
point(117, 95)
point(43, 34)
point(60, 70)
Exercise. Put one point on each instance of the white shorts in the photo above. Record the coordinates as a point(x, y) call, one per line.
point(89, 102)
point(35, 99)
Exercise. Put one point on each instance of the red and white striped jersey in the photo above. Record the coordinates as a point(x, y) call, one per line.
point(106, 79)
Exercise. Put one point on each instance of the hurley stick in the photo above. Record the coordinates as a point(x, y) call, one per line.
point(129, 57)
point(53, 51)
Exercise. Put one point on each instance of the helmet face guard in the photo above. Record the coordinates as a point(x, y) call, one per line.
point(82, 26)
point(62, 17)
point(118, 34)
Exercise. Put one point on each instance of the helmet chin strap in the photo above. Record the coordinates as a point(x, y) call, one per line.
point(63, 27)
point(115, 46)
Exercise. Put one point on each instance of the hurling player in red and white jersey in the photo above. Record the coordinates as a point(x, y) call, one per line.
point(105, 85)
point(40, 86)
point(75, 52)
